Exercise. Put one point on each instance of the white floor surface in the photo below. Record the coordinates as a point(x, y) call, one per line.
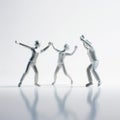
point(59, 103)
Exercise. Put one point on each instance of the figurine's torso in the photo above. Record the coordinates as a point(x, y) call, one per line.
point(34, 57)
point(91, 54)
point(61, 58)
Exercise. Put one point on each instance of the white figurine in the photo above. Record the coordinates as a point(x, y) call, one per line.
point(32, 62)
point(93, 59)
point(62, 55)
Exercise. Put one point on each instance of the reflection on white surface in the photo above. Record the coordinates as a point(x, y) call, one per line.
point(92, 99)
point(31, 107)
point(67, 114)
point(59, 103)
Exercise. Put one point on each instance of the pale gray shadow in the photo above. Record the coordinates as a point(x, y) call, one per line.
point(31, 108)
point(92, 99)
point(61, 103)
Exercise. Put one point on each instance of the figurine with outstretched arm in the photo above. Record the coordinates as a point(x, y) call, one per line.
point(93, 59)
point(62, 55)
point(32, 62)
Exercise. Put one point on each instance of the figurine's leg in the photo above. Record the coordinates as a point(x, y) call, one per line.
point(89, 75)
point(95, 73)
point(36, 75)
point(55, 74)
point(64, 70)
point(26, 71)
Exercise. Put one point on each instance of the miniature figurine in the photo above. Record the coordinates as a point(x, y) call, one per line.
point(93, 59)
point(32, 62)
point(62, 55)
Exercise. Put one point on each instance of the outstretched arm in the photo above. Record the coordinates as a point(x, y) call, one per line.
point(55, 48)
point(87, 44)
point(72, 52)
point(23, 45)
point(44, 49)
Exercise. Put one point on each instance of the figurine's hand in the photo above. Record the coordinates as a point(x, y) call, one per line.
point(82, 37)
point(16, 42)
point(50, 43)
point(76, 47)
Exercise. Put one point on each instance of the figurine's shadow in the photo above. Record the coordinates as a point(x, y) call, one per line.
point(31, 108)
point(62, 108)
point(92, 100)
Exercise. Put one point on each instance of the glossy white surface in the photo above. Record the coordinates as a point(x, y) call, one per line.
point(59, 103)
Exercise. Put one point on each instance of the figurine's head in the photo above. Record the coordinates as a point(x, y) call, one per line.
point(82, 37)
point(37, 44)
point(66, 47)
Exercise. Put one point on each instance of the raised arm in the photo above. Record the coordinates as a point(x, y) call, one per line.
point(75, 48)
point(86, 43)
point(44, 49)
point(55, 48)
point(23, 45)
point(86, 46)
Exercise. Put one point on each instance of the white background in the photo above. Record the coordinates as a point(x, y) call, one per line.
point(59, 21)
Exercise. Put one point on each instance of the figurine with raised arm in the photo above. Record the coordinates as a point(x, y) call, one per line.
point(62, 55)
point(93, 59)
point(32, 62)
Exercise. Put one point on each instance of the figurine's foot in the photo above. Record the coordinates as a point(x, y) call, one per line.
point(53, 83)
point(99, 83)
point(19, 85)
point(88, 84)
point(37, 84)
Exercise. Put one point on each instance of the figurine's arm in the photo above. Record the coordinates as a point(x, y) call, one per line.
point(23, 45)
point(55, 48)
point(86, 41)
point(44, 49)
point(72, 52)
point(87, 44)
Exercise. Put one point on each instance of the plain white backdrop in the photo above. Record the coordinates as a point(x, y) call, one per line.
point(59, 21)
